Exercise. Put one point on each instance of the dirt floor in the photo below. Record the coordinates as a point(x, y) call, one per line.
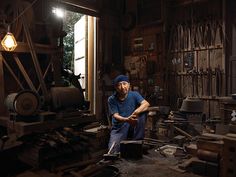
point(152, 164)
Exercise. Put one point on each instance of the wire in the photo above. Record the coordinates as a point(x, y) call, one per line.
point(22, 13)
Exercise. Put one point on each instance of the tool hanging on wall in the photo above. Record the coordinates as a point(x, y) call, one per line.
point(209, 81)
point(201, 73)
point(218, 83)
point(185, 35)
point(205, 82)
point(213, 83)
point(196, 79)
point(128, 18)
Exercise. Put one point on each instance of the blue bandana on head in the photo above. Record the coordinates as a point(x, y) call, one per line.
point(120, 78)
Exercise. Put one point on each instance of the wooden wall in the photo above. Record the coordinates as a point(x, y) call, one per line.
point(144, 49)
point(197, 53)
point(191, 51)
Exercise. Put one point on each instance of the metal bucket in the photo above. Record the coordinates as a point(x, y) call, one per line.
point(192, 105)
point(24, 103)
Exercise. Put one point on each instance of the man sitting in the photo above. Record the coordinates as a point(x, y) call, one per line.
point(127, 110)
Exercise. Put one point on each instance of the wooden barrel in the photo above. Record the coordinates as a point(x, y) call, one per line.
point(24, 103)
point(66, 97)
point(208, 155)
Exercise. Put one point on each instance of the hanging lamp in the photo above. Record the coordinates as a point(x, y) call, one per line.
point(9, 42)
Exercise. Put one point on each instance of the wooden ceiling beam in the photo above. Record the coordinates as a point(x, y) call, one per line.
point(186, 2)
point(39, 48)
point(83, 7)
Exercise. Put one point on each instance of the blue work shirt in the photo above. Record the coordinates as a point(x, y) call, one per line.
point(124, 108)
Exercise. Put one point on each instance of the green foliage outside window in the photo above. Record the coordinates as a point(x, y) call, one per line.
point(68, 25)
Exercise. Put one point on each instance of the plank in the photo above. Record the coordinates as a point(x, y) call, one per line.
point(2, 85)
point(35, 58)
point(24, 73)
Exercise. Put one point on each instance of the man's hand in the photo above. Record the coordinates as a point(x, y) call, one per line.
point(132, 120)
point(136, 113)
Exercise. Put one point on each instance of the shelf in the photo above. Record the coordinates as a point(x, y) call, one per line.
point(198, 49)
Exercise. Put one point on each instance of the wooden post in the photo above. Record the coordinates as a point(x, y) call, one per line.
point(91, 64)
point(2, 85)
point(35, 59)
point(24, 73)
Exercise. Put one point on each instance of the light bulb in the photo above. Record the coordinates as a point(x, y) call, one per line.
point(58, 11)
point(9, 42)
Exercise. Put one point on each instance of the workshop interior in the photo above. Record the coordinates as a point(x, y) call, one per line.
point(58, 59)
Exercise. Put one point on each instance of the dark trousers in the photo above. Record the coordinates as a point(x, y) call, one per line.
point(126, 131)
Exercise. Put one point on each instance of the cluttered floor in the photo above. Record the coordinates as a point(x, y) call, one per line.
point(200, 156)
point(173, 150)
point(153, 163)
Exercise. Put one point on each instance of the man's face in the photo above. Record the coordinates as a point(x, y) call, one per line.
point(123, 87)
